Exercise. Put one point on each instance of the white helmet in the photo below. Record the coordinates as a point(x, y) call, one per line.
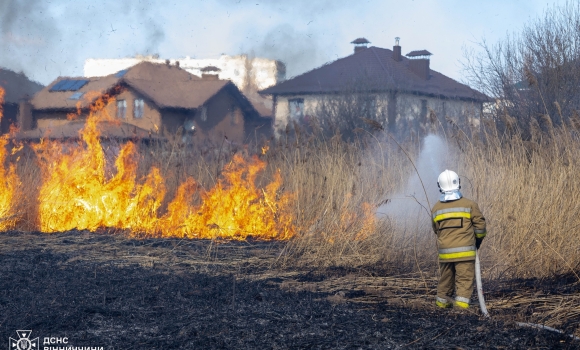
point(448, 181)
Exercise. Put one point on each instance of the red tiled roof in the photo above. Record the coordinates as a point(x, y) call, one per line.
point(373, 70)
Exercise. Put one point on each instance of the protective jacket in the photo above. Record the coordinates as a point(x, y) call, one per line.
point(457, 224)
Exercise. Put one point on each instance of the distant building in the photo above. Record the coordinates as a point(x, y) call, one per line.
point(153, 99)
point(399, 91)
point(249, 74)
point(17, 90)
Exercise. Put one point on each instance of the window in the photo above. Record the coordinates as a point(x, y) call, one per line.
point(121, 109)
point(76, 96)
point(296, 106)
point(203, 116)
point(138, 108)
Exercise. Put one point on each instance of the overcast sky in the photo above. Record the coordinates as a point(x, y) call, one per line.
point(46, 39)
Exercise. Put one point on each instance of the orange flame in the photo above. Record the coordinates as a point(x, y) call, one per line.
point(9, 181)
point(76, 194)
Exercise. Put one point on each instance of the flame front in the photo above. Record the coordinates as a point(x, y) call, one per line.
point(9, 181)
point(77, 194)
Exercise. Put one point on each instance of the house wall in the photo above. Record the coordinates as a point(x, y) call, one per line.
point(45, 119)
point(25, 115)
point(9, 116)
point(151, 119)
point(411, 111)
point(223, 119)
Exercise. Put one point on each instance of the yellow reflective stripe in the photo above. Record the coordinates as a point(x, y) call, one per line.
point(443, 305)
point(453, 215)
point(456, 255)
point(480, 235)
point(462, 304)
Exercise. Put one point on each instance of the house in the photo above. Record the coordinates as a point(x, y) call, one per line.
point(17, 89)
point(397, 91)
point(249, 74)
point(158, 99)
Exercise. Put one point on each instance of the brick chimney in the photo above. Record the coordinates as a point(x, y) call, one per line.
point(419, 63)
point(397, 50)
point(360, 44)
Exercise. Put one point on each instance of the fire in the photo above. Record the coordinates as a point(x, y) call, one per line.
point(77, 194)
point(9, 181)
point(361, 222)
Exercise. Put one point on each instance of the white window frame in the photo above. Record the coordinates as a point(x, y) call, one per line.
point(138, 108)
point(122, 109)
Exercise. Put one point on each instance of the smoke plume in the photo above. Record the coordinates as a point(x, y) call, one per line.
point(45, 40)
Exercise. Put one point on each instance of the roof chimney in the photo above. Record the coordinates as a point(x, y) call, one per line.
point(397, 50)
point(177, 64)
point(419, 63)
point(360, 44)
point(210, 73)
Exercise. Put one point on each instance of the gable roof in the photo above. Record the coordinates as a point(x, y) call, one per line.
point(167, 86)
point(17, 86)
point(373, 70)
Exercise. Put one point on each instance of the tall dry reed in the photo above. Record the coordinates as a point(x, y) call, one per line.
point(528, 189)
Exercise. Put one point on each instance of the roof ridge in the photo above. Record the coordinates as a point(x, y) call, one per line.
point(382, 65)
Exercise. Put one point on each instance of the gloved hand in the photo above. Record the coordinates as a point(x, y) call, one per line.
point(478, 242)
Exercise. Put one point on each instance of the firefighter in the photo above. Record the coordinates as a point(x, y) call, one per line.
point(460, 229)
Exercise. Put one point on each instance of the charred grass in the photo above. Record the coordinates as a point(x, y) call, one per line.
point(344, 280)
point(120, 293)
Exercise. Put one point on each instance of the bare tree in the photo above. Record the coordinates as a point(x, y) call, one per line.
point(535, 72)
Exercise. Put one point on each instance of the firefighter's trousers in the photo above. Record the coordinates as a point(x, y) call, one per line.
point(459, 277)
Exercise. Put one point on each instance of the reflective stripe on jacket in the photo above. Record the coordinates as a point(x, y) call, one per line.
point(457, 223)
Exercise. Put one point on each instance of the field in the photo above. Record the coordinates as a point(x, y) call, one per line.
point(102, 290)
point(331, 247)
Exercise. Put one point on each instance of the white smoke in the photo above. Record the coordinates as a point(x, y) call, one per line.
point(412, 206)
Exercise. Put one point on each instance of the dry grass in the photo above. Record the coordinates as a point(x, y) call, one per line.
point(527, 190)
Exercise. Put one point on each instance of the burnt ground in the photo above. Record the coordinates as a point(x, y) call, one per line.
point(103, 290)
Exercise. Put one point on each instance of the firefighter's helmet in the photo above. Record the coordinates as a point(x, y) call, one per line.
point(448, 181)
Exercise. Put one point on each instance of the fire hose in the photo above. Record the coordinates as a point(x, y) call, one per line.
point(486, 314)
point(479, 286)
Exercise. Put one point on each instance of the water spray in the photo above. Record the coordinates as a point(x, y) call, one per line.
point(431, 142)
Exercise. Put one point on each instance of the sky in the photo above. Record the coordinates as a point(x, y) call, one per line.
point(50, 38)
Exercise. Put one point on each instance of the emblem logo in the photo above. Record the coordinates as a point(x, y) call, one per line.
point(24, 342)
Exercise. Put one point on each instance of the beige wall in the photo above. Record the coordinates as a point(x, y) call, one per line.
point(410, 113)
point(151, 119)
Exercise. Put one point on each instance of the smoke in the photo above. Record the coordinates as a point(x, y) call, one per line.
point(46, 39)
point(298, 50)
point(25, 34)
point(411, 205)
point(302, 39)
